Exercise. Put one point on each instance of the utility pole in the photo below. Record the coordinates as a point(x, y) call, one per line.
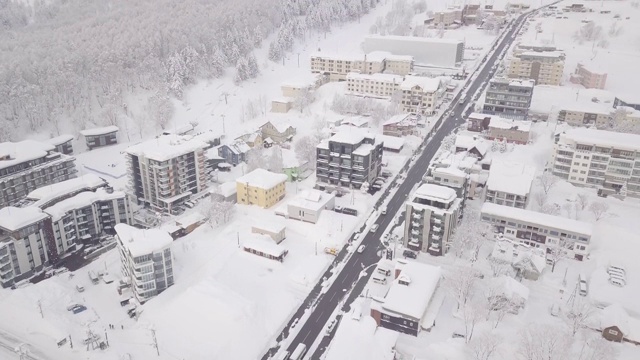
point(40, 309)
point(70, 341)
point(223, 128)
point(238, 236)
point(106, 337)
point(298, 59)
point(155, 341)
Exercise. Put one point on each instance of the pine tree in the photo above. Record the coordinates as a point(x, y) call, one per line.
point(252, 66)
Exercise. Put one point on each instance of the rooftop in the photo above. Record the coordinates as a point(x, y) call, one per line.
point(22, 151)
point(262, 179)
point(280, 125)
point(264, 244)
point(313, 200)
point(436, 192)
point(556, 222)
point(13, 218)
point(391, 142)
point(450, 170)
point(546, 54)
point(425, 83)
point(511, 177)
point(166, 147)
point(81, 200)
point(99, 131)
point(416, 39)
point(514, 82)
point(509, 287)
point(191, 219)
point(270, 226)
point(603, 138)
point(501, 123)
point(59, 140)
point(390, 78)
point(412, 299)
point(140, 242)
point(348, 136)
point(41, 196)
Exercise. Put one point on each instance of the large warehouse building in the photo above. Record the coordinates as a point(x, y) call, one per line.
point(425, 51)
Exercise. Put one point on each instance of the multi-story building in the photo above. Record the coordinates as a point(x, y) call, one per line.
point(540, 230)
point(425, 51)
point(261, 187)
point(401, 125)
point(63, 144)
point(98, 137)
point(511, 131)
point(606, 160)
point(348, 159)
point(164, 172)
point(378, 85)
point(509, 98)
point(145, 257)
point(25, 234)
point(448, 17)
point(586, 114)
point(28, 165)
point(407, 307)
point(589, 77)
point(545, 67)
point(431, 218)
point(338, 66)
point(509, 184)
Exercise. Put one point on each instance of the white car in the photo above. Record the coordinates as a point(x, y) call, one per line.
point(360, 249)
point(383, 211)
point(374, 228)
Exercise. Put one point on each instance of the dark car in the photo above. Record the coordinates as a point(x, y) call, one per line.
point(78, 309)
point(410, 254)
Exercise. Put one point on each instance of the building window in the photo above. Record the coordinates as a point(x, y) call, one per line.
point(613, 332)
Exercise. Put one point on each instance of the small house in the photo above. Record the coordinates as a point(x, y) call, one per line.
point(263, 246)
point(508, 289)
point(294, 168)
point(252, 139)
point(190, 222)
point(98, 137)
point(616, 325)
point(275, 230)
point(281, 105)
point(234, 153)
point(308, 205)
point(401, 125)
point(278, 131)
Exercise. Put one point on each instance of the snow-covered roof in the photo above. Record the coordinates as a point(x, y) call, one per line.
point(450, 170)
point(280, 125)
point(140, 242)
point(364, 150)
point(274, 227)
point(167, 147)
point(391, 142)
point(412, 300)
point(264, 244)
point(436, 192)
point(263, 179)
point(362, 340)
point(546, 54)
point(59, 140)
point(515, 252)
point(514, 82)
point(99, 131)
point(465, 141)
point(587, 106)
point(313, 200)
point(508, 124)
point(388, 78)
point(357, 121)
point(22, 151)
point(227, 189)
point(425, 83)
point(289, 159)
point(402, 119)
point(283, 100)
point(348, 137)
point(509, 287)
point(83, 199)
point(191, 219)
point(13, 218)
point(41, 196)
point(556, 222)
point(416, 39)
point(615, 315)
point(603, 138)
point(511, 177)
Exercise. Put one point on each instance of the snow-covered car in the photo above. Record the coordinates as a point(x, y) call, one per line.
point(374, 228)
point(554, 310)
point(360, 249)
point(72, 306)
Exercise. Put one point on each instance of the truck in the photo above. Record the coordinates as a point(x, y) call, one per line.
point(331, 251)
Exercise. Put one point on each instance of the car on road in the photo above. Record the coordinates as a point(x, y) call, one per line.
point(374, 228)
point(360, 249)
point(383, 211)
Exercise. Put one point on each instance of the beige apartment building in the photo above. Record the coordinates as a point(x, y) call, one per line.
point(338, 66)
point(378, 85)
point(587, 114)
point(447, 17)
point(542, 65)
point(589, 77)
point(261, 187)
point(609, 161)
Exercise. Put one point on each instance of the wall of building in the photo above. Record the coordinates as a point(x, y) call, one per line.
point(511, 136)
point(438, 53)
point(265, 198)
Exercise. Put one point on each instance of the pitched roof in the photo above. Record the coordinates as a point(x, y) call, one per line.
point(262, 179)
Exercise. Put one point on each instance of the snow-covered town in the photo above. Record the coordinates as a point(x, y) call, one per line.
point(335, 179)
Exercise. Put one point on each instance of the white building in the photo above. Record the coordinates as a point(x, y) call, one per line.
point(431, 218)
point(164, 172)
point(425, 51)
point(337, 66)
point(146, 259)
point(378, 85)
point(602, 159)
point(406, 306)
point(540, 230)
point(509, 184)
point(308, 205)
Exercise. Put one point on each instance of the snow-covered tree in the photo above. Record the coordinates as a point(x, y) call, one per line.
point(252, 66)
point(304, 99)
point(577, 314)
point(485, 345)
point(305, 148)
point(160, 108)
point(460, 284)
point(547, 181)
point(448, 143)
point(582, 199)
point(255, 159)
point(599, 209)
point(471, 313)
point(544, 342)
point(551, 209)
point(540, 198)
point(558, 251)
point(499, 267)
point(597, 348)
point(217, 212)
point(275, 160)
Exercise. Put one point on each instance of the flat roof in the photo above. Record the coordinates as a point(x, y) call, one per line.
point(264, 244)
point(412, 299)
point(556, 222)
point(511, 177)
point(436, 192)
point(348, 137)
point(416, 39)
point(262, 179)
point(312, 199)
point(273, 227)
point(391, 142)
point(166, 147)
point(508, 124)
point(81, 200)
point(390, 78)
point(22, 151)
point(44, 194)
point(13, 218)
point(140, 242)
point(191, 219)
point(99, 131)
point(603, 138)
point(59, 140)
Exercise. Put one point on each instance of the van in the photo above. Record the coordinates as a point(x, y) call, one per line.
point(379, 279)
point(299, 352)
point(385, 272)
point(284, 356)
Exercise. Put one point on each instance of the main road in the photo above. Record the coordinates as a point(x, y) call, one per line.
point(326, 303)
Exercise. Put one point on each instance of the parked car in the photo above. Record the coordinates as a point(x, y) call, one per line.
point(79, 288)
point(555, 309)
point(383, 211)
point(78, 309)
point(361, 249)
point(410, 254)
point(72, 306)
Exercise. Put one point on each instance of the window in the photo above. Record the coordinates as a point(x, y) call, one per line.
point(613, 332)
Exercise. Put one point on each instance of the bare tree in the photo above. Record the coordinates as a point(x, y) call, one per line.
point(485, 345)
point(306, 151)
point(217, 211)
point(500, 267)
point(599, 209)
point(460, 284)
point(471, 314)
point(540, 198)
point(551, 209)
point(255, 159)
point(598, 348)
point(582, 200)
point(559, 251)
point(304, 99)
point(275, 160)
point(544, 342)
point(547, 181)
point(578, 315)
point(588, 32)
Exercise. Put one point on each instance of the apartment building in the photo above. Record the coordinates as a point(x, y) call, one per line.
point(62, 144)
point(261, 187)
point(540, 230)
point(28, 165)
point(509, 184)
point(447, 17)
point(586, 114)
point(509, 98)
point(145, 257)
point(164, 172)
point(589, 76)
point(511, 131)
point(608, 161)
point(431, 217)
point(348, 159)
point(99, 137)
point(541, 65)
point(378, 85)
point(420, 94)
point(338, 66)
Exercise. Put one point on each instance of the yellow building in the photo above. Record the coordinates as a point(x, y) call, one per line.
point(261, 187)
